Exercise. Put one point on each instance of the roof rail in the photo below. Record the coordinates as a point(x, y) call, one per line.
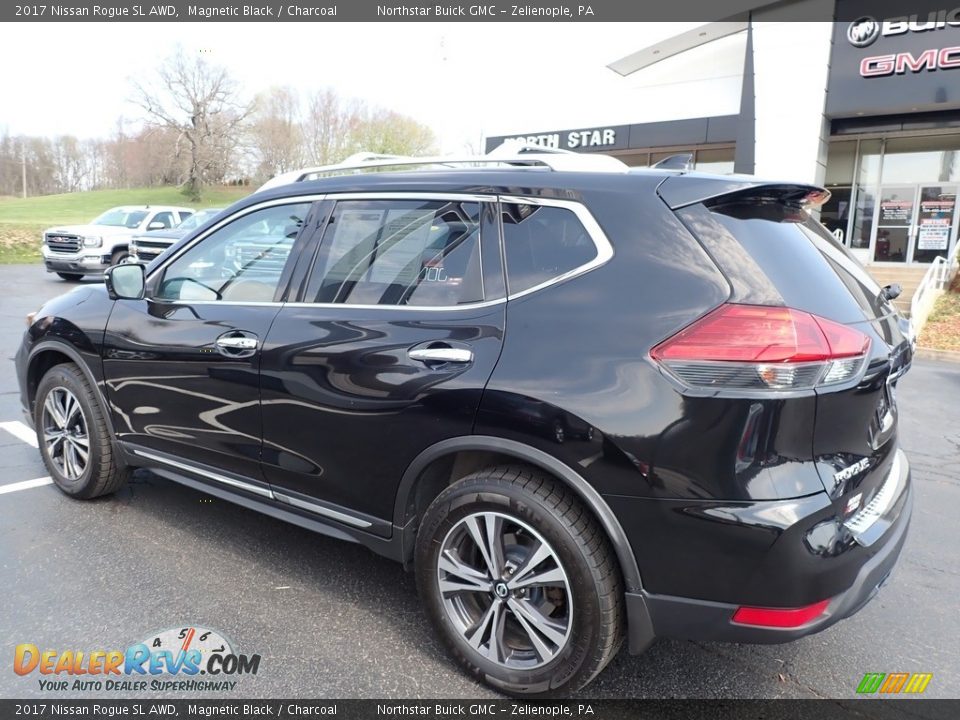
point(512, 154)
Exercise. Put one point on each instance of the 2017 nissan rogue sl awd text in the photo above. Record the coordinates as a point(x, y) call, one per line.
point(582, 403)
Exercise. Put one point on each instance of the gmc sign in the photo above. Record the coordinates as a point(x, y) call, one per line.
point(900, 63)
point(892, 58)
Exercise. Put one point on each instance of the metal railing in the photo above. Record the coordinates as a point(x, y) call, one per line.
point(506, 155)
point(938, 276)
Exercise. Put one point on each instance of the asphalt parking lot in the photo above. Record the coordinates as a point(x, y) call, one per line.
point(332, 620)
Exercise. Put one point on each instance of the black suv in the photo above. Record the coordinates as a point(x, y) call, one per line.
point(582, 406)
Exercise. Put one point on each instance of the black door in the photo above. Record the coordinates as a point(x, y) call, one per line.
point(399, 331)
point(182, 365)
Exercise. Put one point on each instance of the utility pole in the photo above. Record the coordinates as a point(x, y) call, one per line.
point(23, 164)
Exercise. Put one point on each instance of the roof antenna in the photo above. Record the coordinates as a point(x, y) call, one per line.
point(682, 162)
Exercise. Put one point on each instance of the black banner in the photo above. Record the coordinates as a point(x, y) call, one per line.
point(388, 709)
point(393, 11)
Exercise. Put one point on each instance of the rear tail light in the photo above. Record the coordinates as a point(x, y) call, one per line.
point(779, 617)
point(756, 347)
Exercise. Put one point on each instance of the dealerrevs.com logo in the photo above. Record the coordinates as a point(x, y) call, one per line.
point(171, 660)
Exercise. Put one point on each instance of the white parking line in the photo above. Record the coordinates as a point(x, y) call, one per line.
point(25, 485)
point(21, 431)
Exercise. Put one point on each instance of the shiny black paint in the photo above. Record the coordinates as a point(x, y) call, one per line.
point(345, 409)
point(716, 495)
point(170, 389)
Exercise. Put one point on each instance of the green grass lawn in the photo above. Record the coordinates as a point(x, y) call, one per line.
point(23, 220)
point(942, 331)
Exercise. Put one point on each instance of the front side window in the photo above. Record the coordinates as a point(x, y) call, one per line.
point(165, 218)
point(542, 243)
point(240, 262)
point(400, 252)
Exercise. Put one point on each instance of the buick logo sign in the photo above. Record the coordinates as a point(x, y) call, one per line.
point(863, 31)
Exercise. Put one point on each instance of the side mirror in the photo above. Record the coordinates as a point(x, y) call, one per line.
point(156, 225)
point(125, 282)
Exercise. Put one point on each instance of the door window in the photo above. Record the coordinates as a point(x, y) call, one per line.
point(240, 262)
point(936, 216)
point(165, 218)
point(542, 243)
point(894, 221)
point(400, 252)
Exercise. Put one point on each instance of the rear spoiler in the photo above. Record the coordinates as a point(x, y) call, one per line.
point(678, 191)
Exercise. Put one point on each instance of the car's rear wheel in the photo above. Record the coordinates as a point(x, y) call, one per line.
point(70, 277)
point(73, 435)
point(520, 581)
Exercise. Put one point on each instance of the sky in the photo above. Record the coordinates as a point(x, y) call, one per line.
point(464, 80)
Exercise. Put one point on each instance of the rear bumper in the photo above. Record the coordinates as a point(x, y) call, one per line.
point(651, 615)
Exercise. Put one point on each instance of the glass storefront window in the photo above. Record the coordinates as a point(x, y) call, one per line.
point(835, 213)
point(715, 160)
point(935, 158)
point(841, 161)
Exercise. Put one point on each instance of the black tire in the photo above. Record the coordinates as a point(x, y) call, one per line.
point(70, 277)
point(103, 472)
point(596, 624)
point(119, 256)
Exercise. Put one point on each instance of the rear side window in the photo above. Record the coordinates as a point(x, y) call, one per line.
point(770, 254)
point(400, 252)
point(542, 243)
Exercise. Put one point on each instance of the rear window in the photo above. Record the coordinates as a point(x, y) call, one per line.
point(774, 253)
point(542, 243)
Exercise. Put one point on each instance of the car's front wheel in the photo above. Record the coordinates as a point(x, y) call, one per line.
point(73, 435)
point(520, 581)
point(70, 277)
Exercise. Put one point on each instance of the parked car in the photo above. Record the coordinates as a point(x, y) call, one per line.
point(72, 251)
point(584, 405)
point(148, 246)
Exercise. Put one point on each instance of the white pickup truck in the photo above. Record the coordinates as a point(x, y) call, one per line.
point(72, 251)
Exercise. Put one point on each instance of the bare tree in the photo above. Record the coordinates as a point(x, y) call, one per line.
point(334, 128)
point(202, 103)
point(275, 132)
point(328, 127)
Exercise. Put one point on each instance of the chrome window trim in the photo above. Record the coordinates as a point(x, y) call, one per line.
point(322, 510)
point(597, 235)
point(422, 308)
point(293, 200)
point(249, 487)
point(412, 195)
point(590, 224)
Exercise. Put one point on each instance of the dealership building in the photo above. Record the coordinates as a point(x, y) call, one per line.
point(867, 105)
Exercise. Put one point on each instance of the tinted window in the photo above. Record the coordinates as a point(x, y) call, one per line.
point(770, 253)
point(542, 243)
point(165, 218)
point(400, 252)
point(240, 262)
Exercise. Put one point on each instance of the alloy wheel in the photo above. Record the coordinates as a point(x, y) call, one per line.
point(65, 435)
point(505, 590)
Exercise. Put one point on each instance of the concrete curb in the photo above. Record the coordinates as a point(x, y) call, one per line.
point(942, 355)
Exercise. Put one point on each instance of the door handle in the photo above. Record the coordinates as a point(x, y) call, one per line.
point(237, 343)
point(441, 355)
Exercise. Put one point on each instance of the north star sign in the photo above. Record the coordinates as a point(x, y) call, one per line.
point(572, 139)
